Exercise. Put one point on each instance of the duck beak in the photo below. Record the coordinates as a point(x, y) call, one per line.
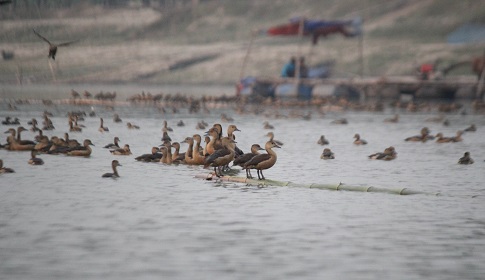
point(276, 146)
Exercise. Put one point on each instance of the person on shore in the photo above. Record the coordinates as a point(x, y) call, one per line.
point(288, 70)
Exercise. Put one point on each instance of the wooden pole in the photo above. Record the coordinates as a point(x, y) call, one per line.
point(480, 81)
point(297, 70)
point(52, 71)
point(246, 57)
point(333, 187)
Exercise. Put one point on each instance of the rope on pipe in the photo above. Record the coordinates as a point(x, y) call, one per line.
point(339, 187)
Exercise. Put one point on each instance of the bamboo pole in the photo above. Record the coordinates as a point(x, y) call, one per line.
point(480, 81)
point(333, 187)
point(246, 57)
point(298, 64)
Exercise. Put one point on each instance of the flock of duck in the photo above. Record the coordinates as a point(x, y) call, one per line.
point(213, 149)
point(218, 152)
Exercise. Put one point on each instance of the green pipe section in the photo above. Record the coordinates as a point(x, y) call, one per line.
point(333, 187)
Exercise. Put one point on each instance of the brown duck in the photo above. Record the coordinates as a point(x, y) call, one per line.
point(84, 151)
point(263, 161)
point(242, 159)
point(221, 157)
point(115, 174)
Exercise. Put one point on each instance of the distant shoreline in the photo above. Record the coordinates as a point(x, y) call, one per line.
point(123, 91)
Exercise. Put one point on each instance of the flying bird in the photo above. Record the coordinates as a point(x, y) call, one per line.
point(53, 47)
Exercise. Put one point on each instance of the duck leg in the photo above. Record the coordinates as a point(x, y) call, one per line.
point(215, 171)
point(257, 170)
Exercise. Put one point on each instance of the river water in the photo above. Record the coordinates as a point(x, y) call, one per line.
point(62, 220)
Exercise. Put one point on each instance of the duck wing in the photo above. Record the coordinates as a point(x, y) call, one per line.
point(257, 159)
point(67, 43)
point(42, 37)
point(218, 153)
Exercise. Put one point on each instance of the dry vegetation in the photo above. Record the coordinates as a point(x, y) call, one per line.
point(140, 44)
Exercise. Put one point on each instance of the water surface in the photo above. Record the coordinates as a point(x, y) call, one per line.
point(63, 221)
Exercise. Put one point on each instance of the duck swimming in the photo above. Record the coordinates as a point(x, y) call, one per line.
point(101, 127)
point(471, 128)
point(327, 154)
point(441, 139)
point(5, 169)
point(423, 137)
point(322, 141)
point(83, 151)
point(263, 161)
point(132, 126)
point(35, 160)
point(125, 151)
point(359, 141)
point(114, 145)
point(115, 174)
point(388, 154)
point(267, 125)
point(271, 139)
point(466, 159)
point(155, 156)
point(394, 119)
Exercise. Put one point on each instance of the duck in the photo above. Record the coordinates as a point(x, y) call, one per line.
point(441, 139)
point(197, 157)
point(327, 154)
point(125, 151)
point(7, 120)
point(221, 157)
point(53, 47)
point(263, 161)
point(423, 137)
point(271, 138)
point(212, 146)
point(116, 118)
point(83, 151)
point(457, 137)
point(155, 156)
point(40, 136)
point(167, 157)
point(388, 154)
point(177, 157)
point(71, 142)
point(132, 126)
point(267, 125)
point(466, 159)
point(340, 121)
point(230, 133)
point(4, 169)
point(188, 158)
point(166, 127)
point(166, 137)
point(226, 118)
point(471, 128)
point(19, 139)
point(35, 160)
point(358, 140)
point(322, 141)
point(14, 145)
point(115, 174)
point(101, 127)
point(242, 159)
point(394, 119)
point(74, 128)
point(180, 123)
point(200, 126)
point(114, 145)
